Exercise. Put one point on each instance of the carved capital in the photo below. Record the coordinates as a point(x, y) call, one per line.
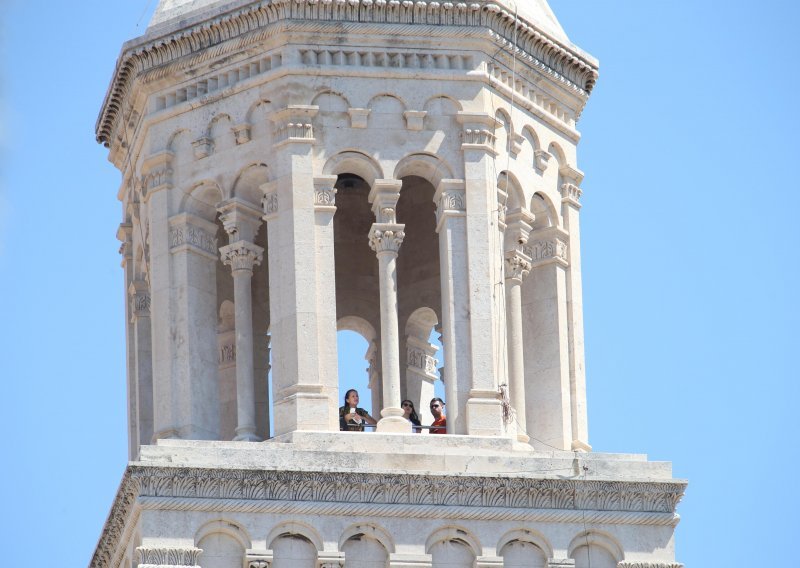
point(330, 560)
point(386, 237)
point(173, 557)
point(156, 173)
point(325, 194)
point(190, 233)
point(242, 255)
point(518, 265)
point(479, 129)
point(571, 195)
point(139, 293)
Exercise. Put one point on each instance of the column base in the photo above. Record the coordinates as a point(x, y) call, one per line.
point(579, 446)
point(524, 438)
point(485, 417)
point(246, 436)
point(392, 423)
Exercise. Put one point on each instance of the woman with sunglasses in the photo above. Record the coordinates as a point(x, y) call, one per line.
point(410, 414)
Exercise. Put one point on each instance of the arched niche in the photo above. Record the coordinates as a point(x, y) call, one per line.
point(353, 163)
point(524, 548)
point(223, 542)
point(247, 185)
point(544, 212)
point(294, 545)
point(366, 546)
point(452, 547)
point(595, 549)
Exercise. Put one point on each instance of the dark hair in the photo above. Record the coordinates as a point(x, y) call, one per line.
point(413, 417)
point(347, 395)
point(435, 399)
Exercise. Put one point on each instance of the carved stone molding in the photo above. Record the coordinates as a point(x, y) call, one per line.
point(450, 200)
point(258, 558)
point(172, 557)
point(242, 255)
point(561, 563)
point(421, 361)
point(190, 233)
point(518, 265)
point(570, 69)
point(156, 173)
point(140, 299)
point(571, 194)
point(269, 202)
point(386, 237)
point(240, 219)
point(330, 560)
point(539, 250)
point(625, 564)
point(294, 124)
point(325, 194)
point(384, 195)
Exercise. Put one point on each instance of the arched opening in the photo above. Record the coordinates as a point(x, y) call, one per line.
point(358, 359)
point(293, 551)
point(220, 550)
point(419, 291)
point(593, 556)
point(452, 553)
point(522, 554)
point(363, 551)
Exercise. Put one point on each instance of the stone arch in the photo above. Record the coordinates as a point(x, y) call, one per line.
point(530, 135)
point(427, 166)
point(295, 529)
point(544, 211)
point(224, 544)
point(248, 184)
point(358, 325)
point(509, 184)
point(526, 535)
point(420, 371)
point(224, 526)
point(371, 531)
point(454, 533)
point(220, 131)
point(456, 104)
point(354, 162)
point(420, 323)
point(202, 200)
point(333, 97)
point(594, 538)
point(506, 131)
point(555, 150)
point(180, 144)
point(256, 117)
point(387, 112)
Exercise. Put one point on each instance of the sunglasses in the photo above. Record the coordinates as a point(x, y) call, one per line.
point(407, 404)
point(435, 406)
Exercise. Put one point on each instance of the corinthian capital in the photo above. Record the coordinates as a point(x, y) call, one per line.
point(518, 265)
point(386, 237)
point(242, 255)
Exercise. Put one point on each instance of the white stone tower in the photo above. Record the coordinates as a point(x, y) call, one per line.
point(292, 168)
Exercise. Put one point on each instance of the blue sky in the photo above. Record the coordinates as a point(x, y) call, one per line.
point(689, 246)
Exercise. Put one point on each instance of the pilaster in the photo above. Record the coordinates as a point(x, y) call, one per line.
point(140, 320)
point(451, 216)
point(487, 314)
point(125, 236)
point(570, 180)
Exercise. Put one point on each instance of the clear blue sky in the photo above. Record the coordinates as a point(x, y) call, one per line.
point(691, 277)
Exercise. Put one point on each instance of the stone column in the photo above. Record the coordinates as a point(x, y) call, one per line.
point(304, 376)
point(241, 222)
point(487, 312)
point(373, 357)
point(570, 209)
point(385, 239)
point(517, 266)
point(143, 361)
point(451, 225)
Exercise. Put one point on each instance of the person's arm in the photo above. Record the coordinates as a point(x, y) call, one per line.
point(365, 415)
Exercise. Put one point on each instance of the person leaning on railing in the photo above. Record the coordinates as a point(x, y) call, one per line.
point(351, 417)
point(439, 425)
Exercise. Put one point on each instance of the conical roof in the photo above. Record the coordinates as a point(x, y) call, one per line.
point(537, 12)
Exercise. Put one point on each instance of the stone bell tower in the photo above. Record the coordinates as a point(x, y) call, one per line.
point(294, 168)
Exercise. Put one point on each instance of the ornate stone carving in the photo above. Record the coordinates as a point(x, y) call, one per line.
point(293, 123)
point(227, 354)
point(173, 557)
point(193, 237)
point(479, 137)
point(420, 360)
point(259, 564)
point(518, 265)
point(270, 203)
point(571, 193)
point(386, 237)
point(242, 255)
point(325, 195)
point(140, 304)
point(538, 250)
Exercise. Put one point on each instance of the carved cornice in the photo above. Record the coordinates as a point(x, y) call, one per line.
point(568, 67)
point(432, 496)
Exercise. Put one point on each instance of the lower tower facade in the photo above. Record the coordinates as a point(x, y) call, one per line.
point(403, 170)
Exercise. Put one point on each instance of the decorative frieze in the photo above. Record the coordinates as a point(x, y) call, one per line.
point(386, 237)
point(171, 557)
point(561, 563)
point(571, 194)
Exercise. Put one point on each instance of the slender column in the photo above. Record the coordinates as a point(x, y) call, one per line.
point(518, 264)
point(373, 357)
point(143, 363)
point(385, 239)
point(570, 208)
point(241, 222)
point(487, 312)
point(453, 260)
point(125, 236)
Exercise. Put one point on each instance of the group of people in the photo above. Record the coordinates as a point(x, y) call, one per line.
point(352, 418)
